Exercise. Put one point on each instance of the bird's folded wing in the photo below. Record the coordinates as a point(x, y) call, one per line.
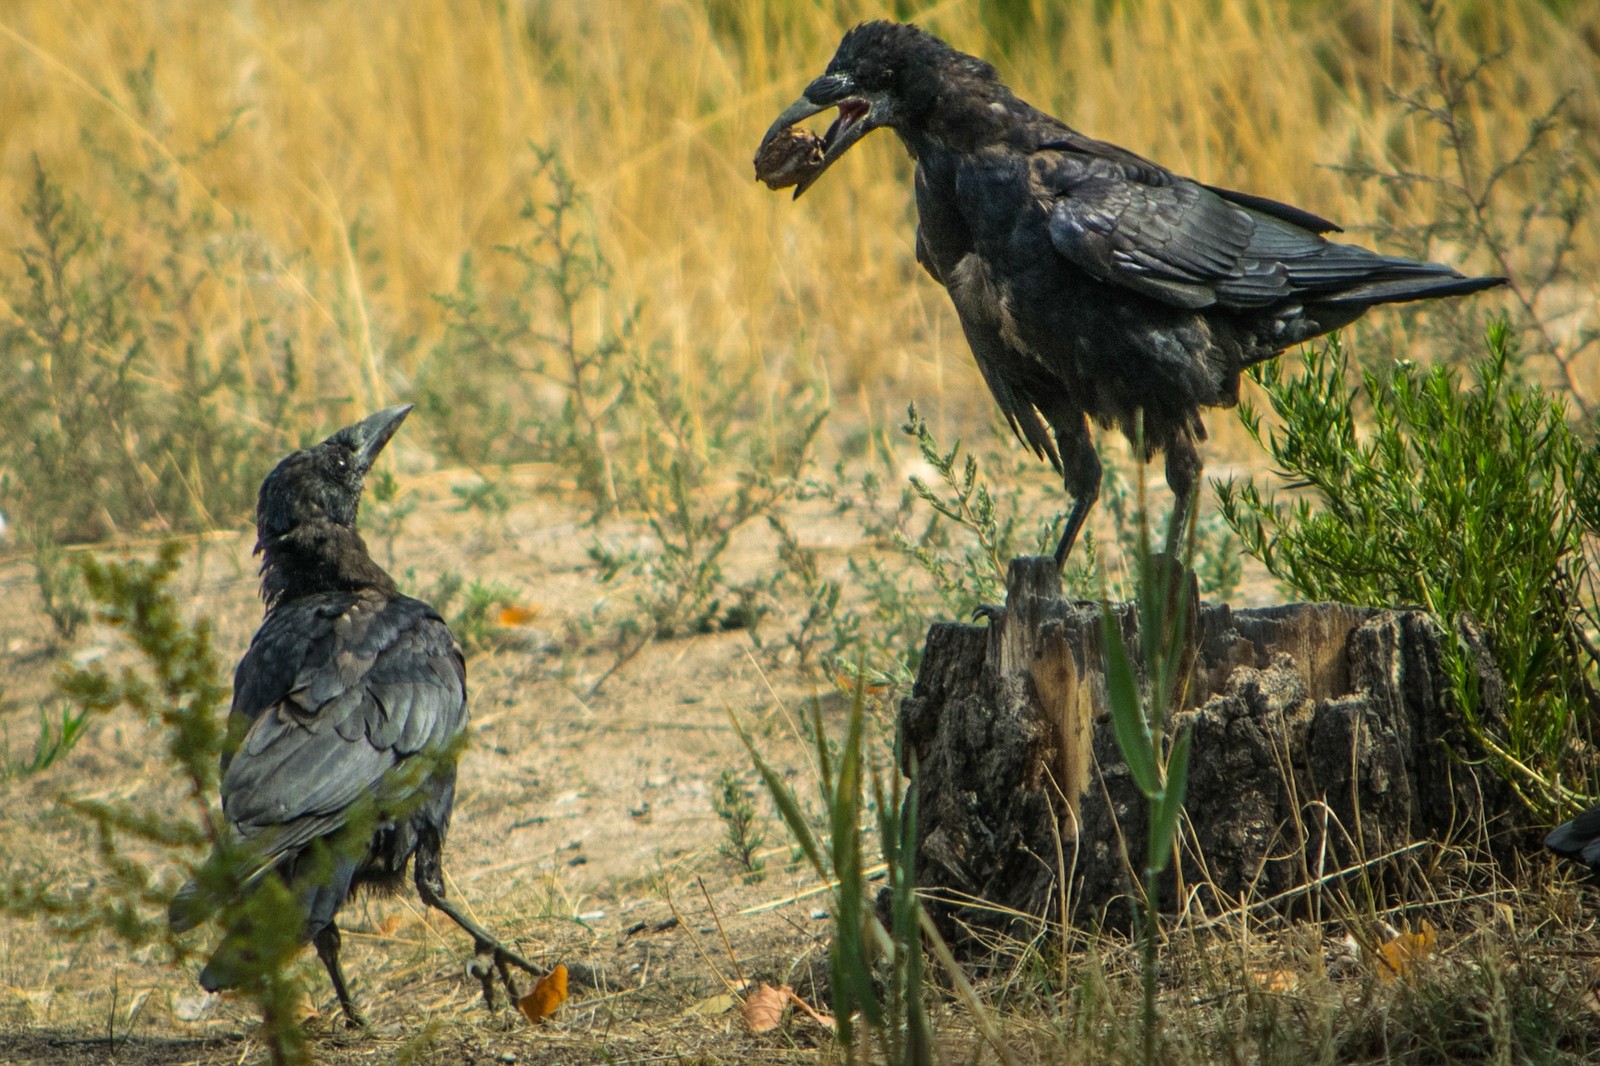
point(1191, 246)
point(388, 686)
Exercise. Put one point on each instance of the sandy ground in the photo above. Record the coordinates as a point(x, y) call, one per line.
point(584, 832)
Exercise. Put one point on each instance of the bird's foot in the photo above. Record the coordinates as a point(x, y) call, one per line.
point(482, 969)
point(491, 958)
point(992, 613)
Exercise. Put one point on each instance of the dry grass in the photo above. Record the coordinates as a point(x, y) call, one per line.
point(376, 146)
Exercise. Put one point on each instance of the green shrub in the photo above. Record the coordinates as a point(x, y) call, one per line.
point(551, 369)
point(950, 541)
point(123, 405)
point(877, 967)
point(1468, 500)
point(742, 832)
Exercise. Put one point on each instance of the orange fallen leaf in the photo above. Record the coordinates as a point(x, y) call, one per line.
point(1278, 981)
point(512, 615)
point(549, 992)
point(390, 925)
point(763, 1008)
point(1402, 954)
point(304, 1008)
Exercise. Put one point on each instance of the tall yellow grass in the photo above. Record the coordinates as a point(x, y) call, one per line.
point(408, 123)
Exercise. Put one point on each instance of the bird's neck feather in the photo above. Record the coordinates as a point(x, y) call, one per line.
point(318, 557)
point(961, 112)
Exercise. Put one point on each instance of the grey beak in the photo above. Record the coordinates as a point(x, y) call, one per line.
point(371, 433)
point(841, 136)
point(798, 111)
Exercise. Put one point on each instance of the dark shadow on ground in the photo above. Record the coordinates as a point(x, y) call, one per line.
point(80, 1049)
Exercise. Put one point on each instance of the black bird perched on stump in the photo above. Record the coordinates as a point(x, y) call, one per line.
point(349, 712)
point(1090, 283)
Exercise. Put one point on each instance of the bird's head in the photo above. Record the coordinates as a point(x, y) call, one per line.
point(883, 74)
point(322, 484)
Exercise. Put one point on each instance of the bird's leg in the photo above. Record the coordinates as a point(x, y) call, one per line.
point(430, 887)
point(1069, 536)
point(485, 944)
point(1080, 468)
point(1183, 470)
point(327, 944)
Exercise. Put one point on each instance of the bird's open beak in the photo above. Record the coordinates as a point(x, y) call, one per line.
point(859, 115)
point(370, 434)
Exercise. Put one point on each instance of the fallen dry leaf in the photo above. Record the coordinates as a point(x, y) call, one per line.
point(1400, 956)
point(305, 1008)
point(720, 1003)
point(548, 993)
point(846, 683)
point(390, 925)
point(763, 1008)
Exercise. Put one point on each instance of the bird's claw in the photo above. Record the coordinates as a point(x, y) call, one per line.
point(988, 612)
point(482, 970)
point(489, 959)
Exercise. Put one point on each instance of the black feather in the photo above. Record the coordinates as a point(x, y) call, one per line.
point(1095, 284)
point(351, 694)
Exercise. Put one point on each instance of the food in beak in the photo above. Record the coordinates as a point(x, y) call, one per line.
point(789, 158)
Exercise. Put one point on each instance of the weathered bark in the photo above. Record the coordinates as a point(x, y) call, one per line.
point(1322, 741)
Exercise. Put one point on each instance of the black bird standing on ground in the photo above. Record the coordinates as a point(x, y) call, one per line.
point(1090, 283)
point(348, 714)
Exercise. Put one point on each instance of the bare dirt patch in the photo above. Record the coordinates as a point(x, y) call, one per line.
point(583, 831)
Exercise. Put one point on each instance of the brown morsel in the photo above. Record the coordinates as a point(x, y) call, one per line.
point(791, 157)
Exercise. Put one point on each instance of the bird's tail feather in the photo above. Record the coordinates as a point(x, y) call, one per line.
point(193, 903)
point(319, 894)
point(1401, 289)
point(237, 865)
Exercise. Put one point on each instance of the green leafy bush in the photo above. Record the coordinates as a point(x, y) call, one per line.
point(550, 369)
point(742, 832)
point(1159, 766)
point(1473, 500)
point(121, 406)
point(877, 967)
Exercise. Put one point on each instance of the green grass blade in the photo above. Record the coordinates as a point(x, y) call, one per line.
point(787, 805)
point(1127, 715)
point(1164, 822)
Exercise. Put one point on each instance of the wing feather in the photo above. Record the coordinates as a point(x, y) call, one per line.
point(376, 681)
point(1194, 246)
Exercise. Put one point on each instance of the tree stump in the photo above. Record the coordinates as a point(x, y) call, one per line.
point(1322, 748)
